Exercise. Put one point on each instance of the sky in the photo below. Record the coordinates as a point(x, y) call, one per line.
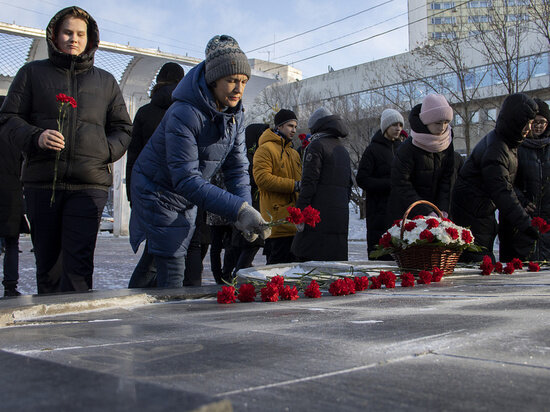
point(184, 27)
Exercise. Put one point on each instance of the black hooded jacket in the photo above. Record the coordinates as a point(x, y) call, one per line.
point(97, 131)
point(373, 176)
point(485, 182)
point(326, 186)
point(419, 175)
point(147, 118)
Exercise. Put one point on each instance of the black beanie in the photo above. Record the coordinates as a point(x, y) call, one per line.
point(543, 111)
point(284, 116)
point(170, 73)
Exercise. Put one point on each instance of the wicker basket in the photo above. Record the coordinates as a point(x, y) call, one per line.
point(425, 257)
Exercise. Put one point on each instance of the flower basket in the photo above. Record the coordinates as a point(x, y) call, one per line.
point(425, 257)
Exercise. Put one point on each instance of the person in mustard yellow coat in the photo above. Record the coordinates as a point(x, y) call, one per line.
point(277, 170)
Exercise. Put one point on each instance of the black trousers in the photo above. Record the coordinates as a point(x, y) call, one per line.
point(64, 236)
point(277, 250)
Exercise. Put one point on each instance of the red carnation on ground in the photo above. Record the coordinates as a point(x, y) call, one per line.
point(486, 266)
point(432, 223)
point(311, 216)
point(289, 293)
point(410, 226)
point(351, 285)
point(376, 283)
point(388, 279)
point(509, 269)
point(424, 277)
point(437, 274)
point(498, 267)
point(533, 267)
point(312, 290)
point(452, 232)
point(385, 241)
point(361, 283)
point(247, 293)
point(270, 293)
point(518, 264)
point(294, 215)
point(426, 234)
point(407, 280)
point(227, 295)
point(338, 288)
point(278, 281)
point(467, 236)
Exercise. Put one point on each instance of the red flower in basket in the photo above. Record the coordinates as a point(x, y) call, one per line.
point(227, 295)
point(385, 241)
point(313, 290)
point(453, 233)
point(410, 226)
point(247, 293)
point(432, 223)
point(427, 235)
point(467, 236)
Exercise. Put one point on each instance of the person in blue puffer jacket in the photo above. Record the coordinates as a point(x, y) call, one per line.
point(201, 133)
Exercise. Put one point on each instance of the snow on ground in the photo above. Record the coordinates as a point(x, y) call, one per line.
point(357, 227)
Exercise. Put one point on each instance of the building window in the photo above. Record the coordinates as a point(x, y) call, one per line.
point(475, 117)
point(517, 17)
point(479, 19)
point(479, 4)
point(443, 5)
point(438, 35)
point(458, 120)
point(492, 115)
point(517, 3)
point(443, 20)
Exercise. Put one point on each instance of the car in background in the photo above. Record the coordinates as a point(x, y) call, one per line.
point(107, 222)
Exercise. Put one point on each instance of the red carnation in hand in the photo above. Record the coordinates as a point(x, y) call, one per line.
point(289, 293)
point(467, 236)
point(498, 267)
point(437, 274)
point(407, 280)
point(432, 223)
point(247, 293)
point(533, 267)
point(311, 216)
point(227, 295)
point(294, 215)
point(424, 277)
point(313, 290)
point(376, 283)
point(452, 232)
point(540, 224)
point(361, 283)
point(426, 234)
point(509, 269)
point(270, 293)
point(385, 241)
point(410, 226)
point(63, 98)
point(517, 263)
point(486, 266)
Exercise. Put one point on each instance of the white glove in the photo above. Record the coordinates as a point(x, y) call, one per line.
point(251, 224)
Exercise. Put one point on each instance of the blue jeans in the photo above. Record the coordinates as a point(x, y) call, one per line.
point(170, 271)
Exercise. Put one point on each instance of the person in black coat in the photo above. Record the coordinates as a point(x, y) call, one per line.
point(12, 219)
point(485, 182)
point(96, 133)
point(373, 175)
point(326, 186)
point(532, 186)
point(424, 164)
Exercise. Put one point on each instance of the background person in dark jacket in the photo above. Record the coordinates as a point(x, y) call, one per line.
point(485, 182)
point(96, 134)
point(424, 164)
point(202, 132)
point(374, 172)
point(326, 186)
point(12, 219)
point(533, 189)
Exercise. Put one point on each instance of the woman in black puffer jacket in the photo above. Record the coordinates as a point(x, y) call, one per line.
point(423, 166)
point(485, 182)
point(533, 189)
point(96, 134)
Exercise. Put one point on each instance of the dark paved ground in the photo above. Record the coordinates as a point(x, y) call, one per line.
point(467, 343)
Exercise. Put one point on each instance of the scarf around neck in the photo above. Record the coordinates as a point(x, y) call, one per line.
point(536, 143)
point(432, 143)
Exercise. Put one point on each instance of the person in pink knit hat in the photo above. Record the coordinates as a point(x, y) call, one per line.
point(423, 165)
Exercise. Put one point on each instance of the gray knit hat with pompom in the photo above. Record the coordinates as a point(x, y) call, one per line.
point(224, 58)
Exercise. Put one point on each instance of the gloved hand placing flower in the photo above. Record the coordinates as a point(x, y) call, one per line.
point(251, 224)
